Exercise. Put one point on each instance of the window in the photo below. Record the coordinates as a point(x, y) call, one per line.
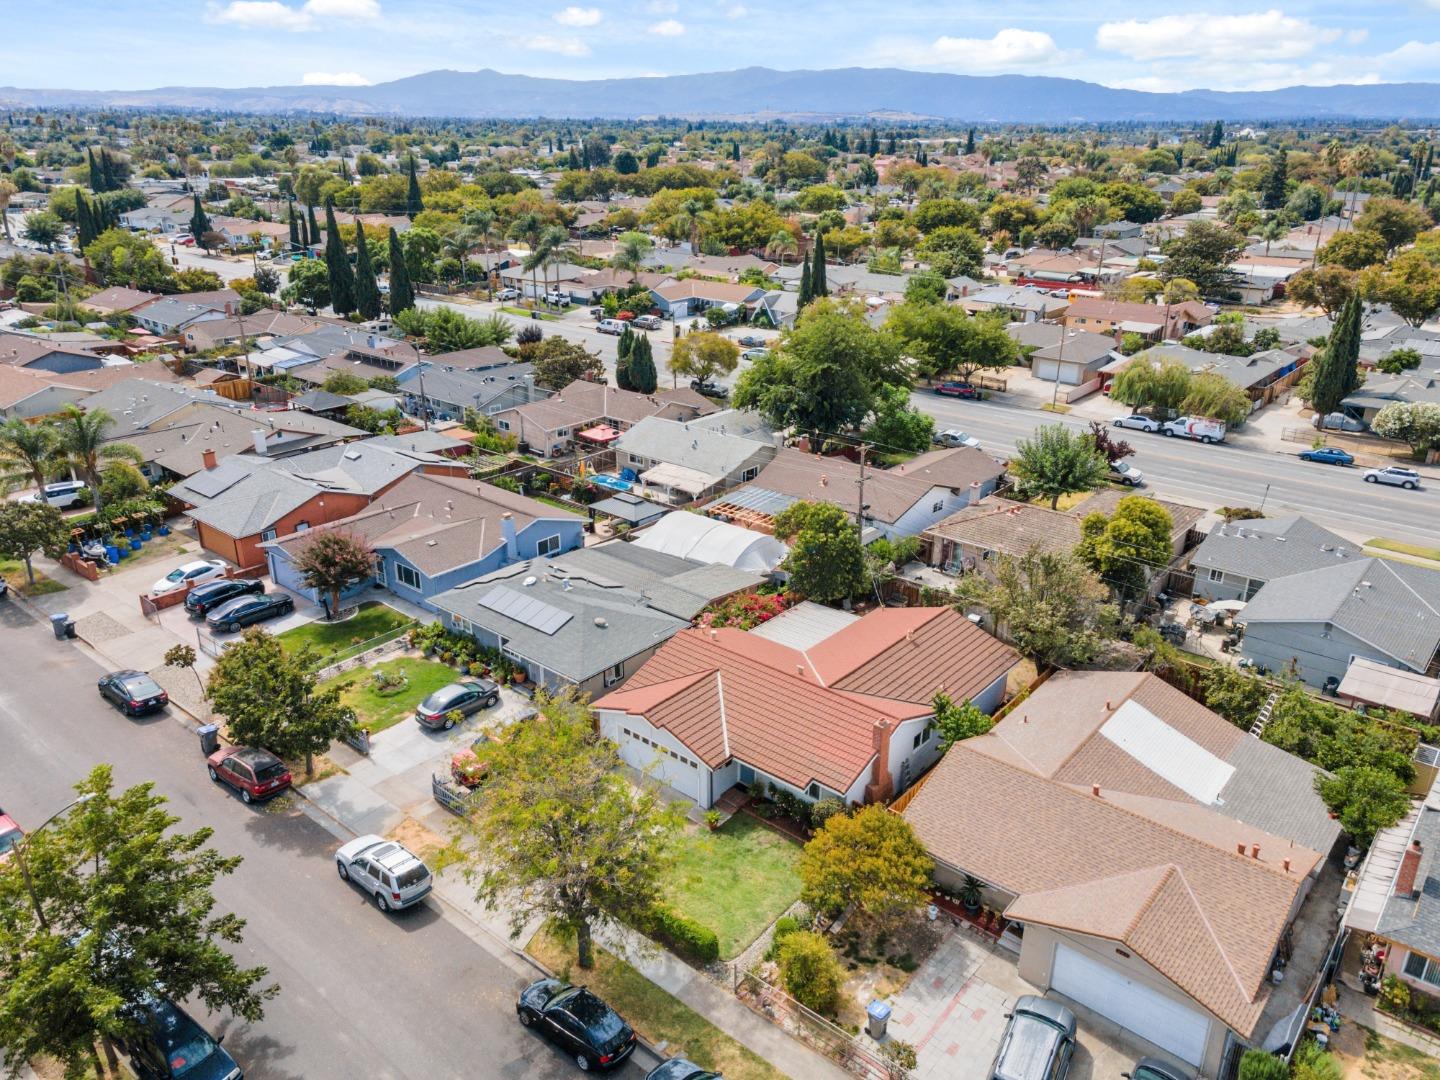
point(503, 425)
point(563, 433)
point(301, 526)
point(379, 570)
point(407, 576)
point(922, 737)
point(813, 791)
point(461, 624)
point(938, 507)
point(750, 473)
point(548, 546)
point(1422, 968)
point(268, 534)
point(615, 674)
point(1217, 575)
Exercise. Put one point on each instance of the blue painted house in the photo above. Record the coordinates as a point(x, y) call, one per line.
point(433, 533)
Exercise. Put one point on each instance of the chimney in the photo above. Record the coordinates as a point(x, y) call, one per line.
point(1409, 871)
point(1254, 851)
point(257, 438)
point(229, 309)
point(207, 456)
point(974, 493)
point(880, 788)
point(1095, 790)
point(1240, 850)
point(507, 530)
point(1285, 864)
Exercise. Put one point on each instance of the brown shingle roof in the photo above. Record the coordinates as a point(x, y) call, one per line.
point(1009, 528)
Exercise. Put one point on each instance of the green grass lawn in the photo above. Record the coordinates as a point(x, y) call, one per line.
point(655, 1014)
point(525, 313)
point(330, 638)
point(735, 880)
point(378, 711)
point(1402, 548)
point(13, 571)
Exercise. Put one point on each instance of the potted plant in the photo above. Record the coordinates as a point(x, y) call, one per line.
point(970, 893)
point(712, 819)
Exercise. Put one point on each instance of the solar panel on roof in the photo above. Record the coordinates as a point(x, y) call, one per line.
point(534, 613)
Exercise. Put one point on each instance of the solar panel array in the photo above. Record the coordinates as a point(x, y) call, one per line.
point(534, 613)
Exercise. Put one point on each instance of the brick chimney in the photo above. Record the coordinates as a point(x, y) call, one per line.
point(207, 456)
point(1409, 871)
point(880, 788)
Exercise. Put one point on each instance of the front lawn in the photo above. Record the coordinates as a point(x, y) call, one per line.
point(328, 639)
point(736, 880)
point(1402, 548)
point(656, 1015)
point(13, 571)
point(377, 710)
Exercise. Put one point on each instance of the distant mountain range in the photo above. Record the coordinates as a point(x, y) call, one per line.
point(888, 93)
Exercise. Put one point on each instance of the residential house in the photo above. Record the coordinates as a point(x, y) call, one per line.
point(1155, 862)
point(1074, 360)
point(118, 300)
point(1119, 230)
point(1368, 684)
point(1379, 390)
point(1237, 558)
point(1153, 322)
point(690, 460)
point(34, 352)
point(1315, 623)
point(169, 315)
point(28, 394)
point(902, 501)
point(1047, 269)
point(673, 260)
point(549, 426)
point(694, 296)
point(240, 503)
point(846, 713)
point(451, 389)
point(1260, 375)
point(1020, 303)
point(433, 533)
point(589, 618)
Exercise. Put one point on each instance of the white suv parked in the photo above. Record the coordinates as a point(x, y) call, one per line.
point(385, 870)
point(1408, 479)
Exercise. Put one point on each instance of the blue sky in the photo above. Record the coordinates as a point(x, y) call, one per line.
point(136, 44)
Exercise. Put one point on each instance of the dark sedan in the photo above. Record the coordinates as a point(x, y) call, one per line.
point(578, 1022)
point(173, 1045)
point(680, 1069)
point(246, 610)
point(134, 692)
point(463, 697)
point(1327, 455)
point(203, 599)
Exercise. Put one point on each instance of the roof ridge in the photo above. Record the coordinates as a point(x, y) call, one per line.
point(1150, 898)
point(1205, 920)
point(724, 722)
point(1129, 696)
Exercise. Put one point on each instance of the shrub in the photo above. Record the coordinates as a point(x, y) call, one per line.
point(1258, 1065)
point(784, 927)
point(1313, 1062)
point(1395, 995)
point(811, 974)
point(823, 811)
point(682, 935)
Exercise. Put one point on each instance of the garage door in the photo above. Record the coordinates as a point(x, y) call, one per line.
point(1133, 1005)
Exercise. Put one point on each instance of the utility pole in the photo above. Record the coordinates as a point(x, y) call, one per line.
point(860, 483)
point(424, 404)
point(1059, 359)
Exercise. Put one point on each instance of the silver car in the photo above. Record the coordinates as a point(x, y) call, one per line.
point(1394, 475)
point(384, 870)
point(956, 437)
point(1136, 422)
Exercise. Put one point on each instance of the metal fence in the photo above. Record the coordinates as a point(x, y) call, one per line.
point(810, 1027)
point(362, 652)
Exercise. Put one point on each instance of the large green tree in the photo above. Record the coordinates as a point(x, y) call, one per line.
point(199, 221)
point(114, 908)
point(1129, 546)
point(81, 442)
point(402, 292)
point(1336, 366)
point(367, 289)
point(868, 862)
point(337, 263)
point(559, 362)
point(270, 698)
point(332, 560)
point(414, 203)
point(26, 528)
point(1365, 799)
point(557, 832)
point(640, 367)
point(826, 560)
point(1058, 461)
point(1410, 284)
point(703, 356)
point(943, 340)
point(1203, 254)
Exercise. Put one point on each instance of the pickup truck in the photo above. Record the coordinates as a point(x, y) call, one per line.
point(1199, 428)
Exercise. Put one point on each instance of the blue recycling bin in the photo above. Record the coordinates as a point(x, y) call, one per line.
point(112, 554)
point(209, 738)
point(877, 1019)
point(58, 622)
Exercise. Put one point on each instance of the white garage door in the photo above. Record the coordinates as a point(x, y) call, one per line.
point(1133, 1005)
point(651, 757)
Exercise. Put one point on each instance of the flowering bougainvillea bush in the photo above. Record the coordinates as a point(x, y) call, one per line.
point(746, 611)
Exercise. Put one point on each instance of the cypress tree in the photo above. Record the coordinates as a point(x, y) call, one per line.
point(294, 229)
point(367, 292)
point(970, 141)
point(818, 287)
point(624, 349)
point(806, 293)
point(1273, 189)
point(402, 293)
point(108, 172)
point(342, 278)
point(313, 236)
point(641, 367)
point(1336, 371)
point(199, 221)
point(574, 159)
point(413, 203)
point(88, 219)
point(96, 183)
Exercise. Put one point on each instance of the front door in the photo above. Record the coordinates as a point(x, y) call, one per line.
point(747, 775)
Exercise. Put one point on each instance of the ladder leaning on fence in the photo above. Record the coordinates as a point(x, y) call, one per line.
point(1263, 716)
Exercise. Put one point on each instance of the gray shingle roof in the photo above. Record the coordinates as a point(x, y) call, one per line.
point(692, 445)
point(1415, 921)
point(1268, 548)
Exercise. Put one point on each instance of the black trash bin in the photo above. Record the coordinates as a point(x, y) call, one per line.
point(58, 623)
point(209, 738)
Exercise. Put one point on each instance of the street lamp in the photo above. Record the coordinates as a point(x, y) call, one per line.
point(19, 850)
point(1059, 361)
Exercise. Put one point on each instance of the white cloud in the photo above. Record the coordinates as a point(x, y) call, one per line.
point(1008, 50)
point(565, 46)
point(1222, 39)
point(736, 11)
point(669, 7)
point(333, 78)
point(273, 15)
point(1412, 58)
point(578, 16)
point(668, 28)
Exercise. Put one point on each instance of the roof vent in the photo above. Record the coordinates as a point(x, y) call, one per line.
point(1095, 790)
point(529, 581)
point(600, 622)
point(430, 543)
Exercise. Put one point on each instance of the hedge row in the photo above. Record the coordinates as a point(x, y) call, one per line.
point(684, 936)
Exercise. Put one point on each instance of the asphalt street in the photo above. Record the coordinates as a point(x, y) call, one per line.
point(362, 994)
point(1223, 475)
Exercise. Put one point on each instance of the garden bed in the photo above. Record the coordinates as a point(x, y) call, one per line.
point(329, 639)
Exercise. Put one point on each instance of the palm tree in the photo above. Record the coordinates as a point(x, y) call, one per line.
point(482, 221)
point(27, 454)
point(528, 227)
point(781, 243)
point(691, 209)
point(1273, 230)
point(458, 244)
point(82, 446)
point(553, 248)
point(7, 192)
point(630, 252)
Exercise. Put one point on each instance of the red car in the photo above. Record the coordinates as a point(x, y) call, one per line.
point(957, 389)
point(10, 835)
point(256, 774)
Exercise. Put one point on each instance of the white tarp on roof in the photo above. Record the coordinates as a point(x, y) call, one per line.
point(691, 536)
point(679, 478)
point(1164, 751)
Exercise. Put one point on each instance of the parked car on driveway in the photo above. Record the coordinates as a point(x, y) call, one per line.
point(10, 835)
point(1127, 474)
point(1136, 422)
point(191, 573)
point(173, 1045)
point(248, 610)
point(387, 871)
point(203, 599)
point(465, 697)
point(1151, 1068)
point(749, 341)
point(680, 1069)
point(256, 774)
point(649, 322)
point(133, 692)
point(1038, 1042)
point(754, 354)
point(60, 495)
point(508, 294)
point(578, 1022)
point(955, 437)
point(1327, 455)
point(957, 389)
point(1394, 475)
point(709, 389)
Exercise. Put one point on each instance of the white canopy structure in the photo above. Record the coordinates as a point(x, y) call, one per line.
point(692, 536)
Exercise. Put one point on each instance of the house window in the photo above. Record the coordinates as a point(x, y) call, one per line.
point(1217, 575)
point(301, 526)
point(1422, 968)
point(548, 546)
point(615, 674)
point(813, 791)
point(563, 433)
point(938, 507)
point(461, 624)
point(268, 534)
point(922, 737)
point(407, 576)
point(750, 473)
point(379, 571)
point(503, 425)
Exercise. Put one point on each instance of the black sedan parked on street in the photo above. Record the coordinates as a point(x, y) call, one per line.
point(203, 599)
point(578, 1022)
point(133, 692)
point(246, 610)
